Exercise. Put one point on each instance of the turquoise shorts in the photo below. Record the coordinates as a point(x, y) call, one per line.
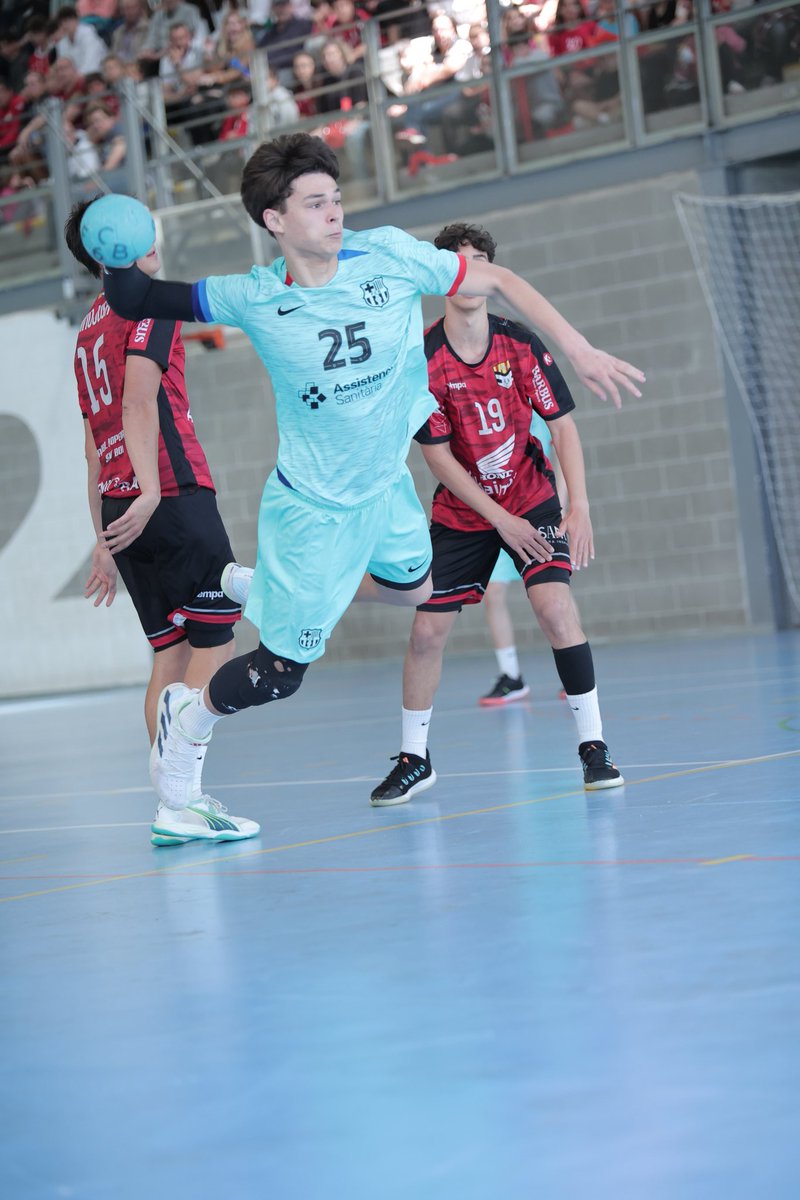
point(504, 571)
point(311, 560)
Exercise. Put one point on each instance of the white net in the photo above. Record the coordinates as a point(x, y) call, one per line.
point(747, 253)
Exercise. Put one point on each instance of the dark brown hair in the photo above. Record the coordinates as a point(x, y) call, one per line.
point(270, 172)
point(72, 236)
point(453, 237)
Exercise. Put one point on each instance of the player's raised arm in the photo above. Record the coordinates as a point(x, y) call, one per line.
point(600, 372)
point(116, 231)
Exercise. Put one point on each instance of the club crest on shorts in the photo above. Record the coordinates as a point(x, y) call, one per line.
point(309, 638)
point(375, 293)
point(503, 374)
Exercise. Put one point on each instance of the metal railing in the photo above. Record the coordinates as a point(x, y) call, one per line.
point(708, 70)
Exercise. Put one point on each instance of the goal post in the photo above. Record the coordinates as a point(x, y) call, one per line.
point(747, 253)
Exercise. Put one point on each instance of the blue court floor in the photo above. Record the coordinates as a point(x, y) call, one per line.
point(505, 990)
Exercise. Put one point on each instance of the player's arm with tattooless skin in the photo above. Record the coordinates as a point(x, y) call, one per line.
point(102, 581)
point(141, 428)
point(133, 295)
point(600, 372)
point(576, 522)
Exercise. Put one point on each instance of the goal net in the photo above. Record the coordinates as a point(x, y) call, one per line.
point(747, 253)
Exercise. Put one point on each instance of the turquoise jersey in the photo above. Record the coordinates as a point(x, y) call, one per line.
point(346, 360)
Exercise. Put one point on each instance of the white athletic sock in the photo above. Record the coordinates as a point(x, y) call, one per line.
point(196, 721)
point(586, 711)
point(508, 661)
point(197, 788)
point(415, 731)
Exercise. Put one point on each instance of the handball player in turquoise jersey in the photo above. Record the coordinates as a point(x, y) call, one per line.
point(337, 322)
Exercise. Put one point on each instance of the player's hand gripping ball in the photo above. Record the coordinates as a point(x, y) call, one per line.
point(116, 230)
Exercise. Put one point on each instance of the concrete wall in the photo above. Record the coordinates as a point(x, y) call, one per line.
point(668, 561)
point(660, 477)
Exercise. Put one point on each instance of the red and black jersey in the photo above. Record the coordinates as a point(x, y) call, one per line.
point(485, 413)
point(104, 343)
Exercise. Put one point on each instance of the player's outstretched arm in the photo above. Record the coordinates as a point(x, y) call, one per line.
point(600, 372)
point(134, 295)
point(516, 532)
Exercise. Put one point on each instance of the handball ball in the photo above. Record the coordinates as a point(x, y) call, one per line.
point(116, 230)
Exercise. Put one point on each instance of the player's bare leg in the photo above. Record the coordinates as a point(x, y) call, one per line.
point(422, 672)
point(371, 592)
point(558, 619)
point(169, 665)
point(510, 685)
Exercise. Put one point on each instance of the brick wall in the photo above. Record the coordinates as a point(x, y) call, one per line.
point(616, 264)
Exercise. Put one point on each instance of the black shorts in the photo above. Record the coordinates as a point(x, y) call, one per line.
point(463, 560)
point(172, 571)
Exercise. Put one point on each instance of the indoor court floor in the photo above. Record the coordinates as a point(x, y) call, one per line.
point(506, 989)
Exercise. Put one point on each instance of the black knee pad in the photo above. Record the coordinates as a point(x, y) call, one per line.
point(254, 679)
point(273, 677)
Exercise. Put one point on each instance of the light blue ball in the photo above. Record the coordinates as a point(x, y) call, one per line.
point(116, 230)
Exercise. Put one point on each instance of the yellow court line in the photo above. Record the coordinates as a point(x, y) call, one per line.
point(356, 833)
point(717, 862)
point(27, 858)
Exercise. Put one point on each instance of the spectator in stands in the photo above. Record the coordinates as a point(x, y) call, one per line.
point(39, 47)
point(284, 36)
point(539, 105)
point(349, 96)
point(345, 27)
point(450, 58)
point(304, 72)
point(11, 110)
point(107, 138)
point(234, 50)
point(128, 39)
point(601, 104)
point(572, 32)
point(731, 47)
point(237, 122)
point(169, 13)
point(401, 21)
point(190, 92)
point(34, 91)
point(282, 108)
point(100, 14)
point(323, 20)
point(79, 41)
point(13, 59)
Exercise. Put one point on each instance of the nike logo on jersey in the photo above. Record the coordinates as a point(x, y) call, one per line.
point(284, 312)
point(411, 570)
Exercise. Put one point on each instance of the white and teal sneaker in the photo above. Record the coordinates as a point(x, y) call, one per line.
point(204, 820)
point(173, 757)
point(235, 582)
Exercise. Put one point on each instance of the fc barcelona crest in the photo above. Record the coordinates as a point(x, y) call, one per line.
point(375, 292)
point(309, 638)
point(503, 374)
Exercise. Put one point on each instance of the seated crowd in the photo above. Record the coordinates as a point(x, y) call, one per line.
point(203, 55)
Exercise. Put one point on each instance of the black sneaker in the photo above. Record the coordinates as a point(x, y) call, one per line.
point(505, 690)
point(598, 770)
point(411, 775)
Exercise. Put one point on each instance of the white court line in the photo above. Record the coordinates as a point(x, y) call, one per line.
point(271, 783)
point(69, 828)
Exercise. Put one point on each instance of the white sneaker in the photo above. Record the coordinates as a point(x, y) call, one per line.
point(204, 820)
point(173, 756)
point(235, 582)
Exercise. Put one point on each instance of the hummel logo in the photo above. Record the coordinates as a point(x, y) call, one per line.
point(284, 312)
